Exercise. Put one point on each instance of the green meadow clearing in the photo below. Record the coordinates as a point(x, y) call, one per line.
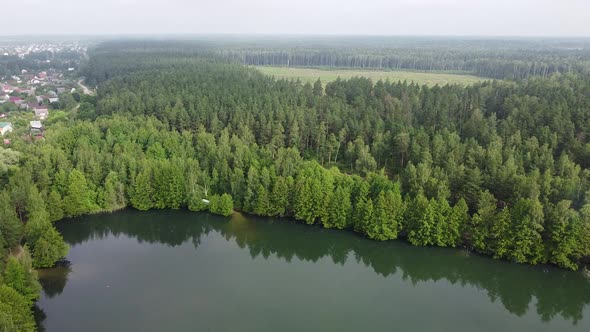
point(329, 75)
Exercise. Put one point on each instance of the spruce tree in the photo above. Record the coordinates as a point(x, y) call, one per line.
point(55, 206)
point(340, 209)
point(141, 198)
point(80, 199)
point(11, 228)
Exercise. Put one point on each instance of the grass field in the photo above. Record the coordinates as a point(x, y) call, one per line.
point(311, 75)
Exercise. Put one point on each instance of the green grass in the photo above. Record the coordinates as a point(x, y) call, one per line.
point(311, 75)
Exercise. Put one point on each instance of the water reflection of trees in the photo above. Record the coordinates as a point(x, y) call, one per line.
point(557, 292)
point(54, 280)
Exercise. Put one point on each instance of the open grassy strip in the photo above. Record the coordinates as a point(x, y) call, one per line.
point(311, 75)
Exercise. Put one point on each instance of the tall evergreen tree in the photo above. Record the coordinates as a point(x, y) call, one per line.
point(79, 198)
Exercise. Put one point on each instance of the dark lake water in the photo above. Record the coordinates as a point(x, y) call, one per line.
point(182, 271)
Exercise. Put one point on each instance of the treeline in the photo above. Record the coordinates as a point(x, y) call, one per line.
point(512, 59)
point(137, 161)
point(518, 65)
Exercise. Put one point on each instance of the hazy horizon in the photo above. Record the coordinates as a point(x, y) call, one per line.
point(412, 18)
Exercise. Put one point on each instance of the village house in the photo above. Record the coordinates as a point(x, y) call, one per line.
point(37, 129)
point(54, 100)
point(15, 100)
point(36, 125)
point(41, 112)
point(5, 128)
point(29, 92)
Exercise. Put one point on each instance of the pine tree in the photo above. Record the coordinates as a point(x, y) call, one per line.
point(22, 277)
point(368, 212)
point(361, 197)
point(481, 223)
point(141, 198)
point(35, 205)
point(375, 230)
point(114, 193)
point(564, 228)
point(250, 198)
point(421, 221)
point(175, 186)
point(11, 228)
point(526, 242)
point(441, 231)
point(500, 237)
point(226, 205)
point(263, 207)
point(340, 209)
point(318, 90)
point(395, 210)
point(214, 204)
point(307, 199)
point(80, 199)
point(49, 248)
point(55, 206)
point(15, 309)
point(279, 197)
point(14, 276)
point(456, 221)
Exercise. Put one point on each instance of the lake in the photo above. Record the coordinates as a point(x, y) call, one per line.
point(183, 271)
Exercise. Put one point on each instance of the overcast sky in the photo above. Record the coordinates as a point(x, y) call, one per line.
point(382, 17)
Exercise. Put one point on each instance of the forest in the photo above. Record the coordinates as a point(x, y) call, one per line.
point(498, 168)
point(513, 59)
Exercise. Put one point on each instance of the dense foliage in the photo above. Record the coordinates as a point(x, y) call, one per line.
point(497, 167)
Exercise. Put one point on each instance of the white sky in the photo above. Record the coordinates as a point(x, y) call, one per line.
point(375, 17)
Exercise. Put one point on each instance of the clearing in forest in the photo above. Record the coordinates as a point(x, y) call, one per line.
point(328, 75)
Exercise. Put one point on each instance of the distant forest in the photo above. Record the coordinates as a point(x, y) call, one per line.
point(494, 58)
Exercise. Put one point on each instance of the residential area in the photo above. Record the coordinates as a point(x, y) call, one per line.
point(36, 81)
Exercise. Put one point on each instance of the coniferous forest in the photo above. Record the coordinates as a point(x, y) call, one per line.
point(501, 168)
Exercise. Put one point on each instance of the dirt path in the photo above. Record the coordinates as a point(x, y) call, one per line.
point(85, 88)
point(17, 251)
